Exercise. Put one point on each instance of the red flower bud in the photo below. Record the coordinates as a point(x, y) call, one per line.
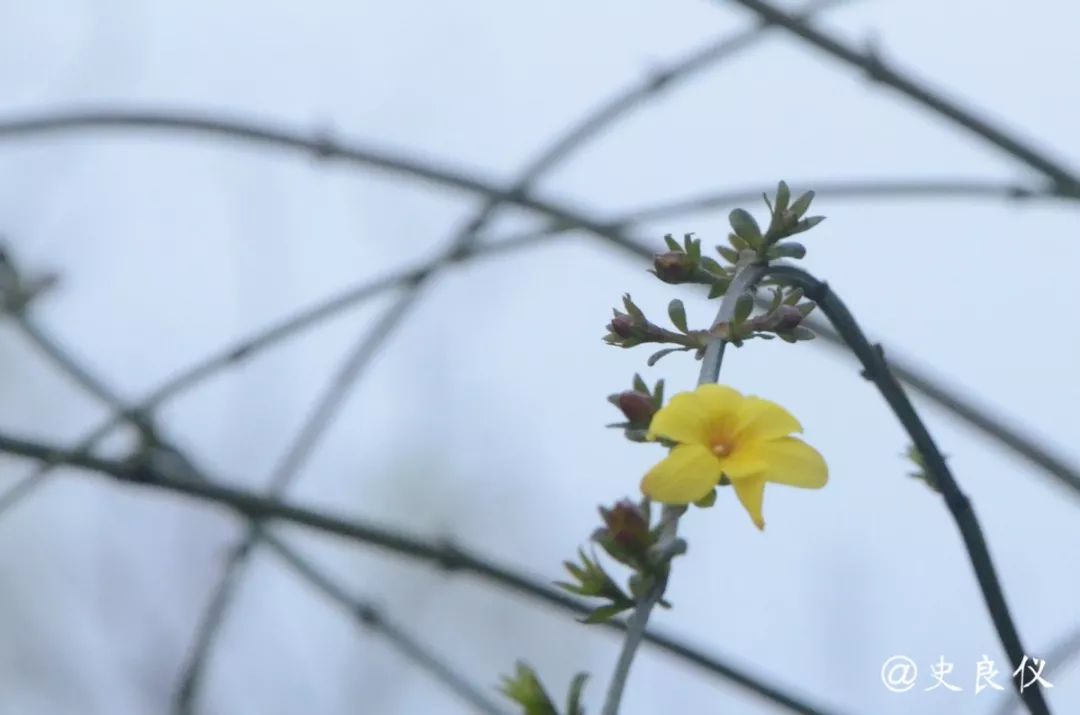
point(637, 406)
point(674, 267)
point(622, 325)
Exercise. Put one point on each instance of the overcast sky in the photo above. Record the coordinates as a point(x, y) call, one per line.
point(482, 418)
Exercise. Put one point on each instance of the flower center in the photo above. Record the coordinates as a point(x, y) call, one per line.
point(720, 449)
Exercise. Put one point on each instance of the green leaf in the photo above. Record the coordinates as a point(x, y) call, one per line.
point(718, 289)
point(525, 689)
point(729, 254)
point(693, 246)
point(639, 385)
point(677, 312)
point(711, 265)
point(672, 243)
point(806, 308)
point(793, 296)
point(606, 613)
point(655, 357)
point(743, 307)
point(573, 697)
point(806, 224)
point(802, 204)
point(788, 249)
point(801, 333)
point(658, 394)
point(777, 298)
point(745, 226)
point(632, 309)
point(783, 196)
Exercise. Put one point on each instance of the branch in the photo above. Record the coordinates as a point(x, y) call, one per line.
point(301, 449)
point(877, 69)
point(928, 188)
point(564, 219)
point(255, 506)
point(877, 371)
point(1060, 655)
point(744, 281)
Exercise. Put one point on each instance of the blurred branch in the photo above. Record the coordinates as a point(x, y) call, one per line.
point(928, 188)
point(298, 453)
point(1058, 658)
point(877, 371)
point(877, 69)
point(250, 505)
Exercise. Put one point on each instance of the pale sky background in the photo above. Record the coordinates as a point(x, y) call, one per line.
point(483, 417)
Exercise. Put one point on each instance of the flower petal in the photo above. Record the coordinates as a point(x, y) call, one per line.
point(794, 463)
point(743, 463)
point(686, 475)
point(682, 419)
point(751, 493)
point(760, 419)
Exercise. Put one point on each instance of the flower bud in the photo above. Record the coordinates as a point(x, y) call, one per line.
point(788, 317)
point(622, 325)
point(627, 526)
point(674, 267)
point(637, 406)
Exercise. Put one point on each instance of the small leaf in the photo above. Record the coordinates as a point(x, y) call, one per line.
point(743, 307)
point(801, 333)
point(655, 357)
point(745, 226)
point(573, 697)
point(658, 395)
point(632, 309)
point(737, 243)
point(672, 243)
point(718, 289)
point(677, 312)
point(802, 204)
point(783, 197)
point(711, 265)
point(806, 224)
point(793, 296)
point(729, 254)
point(693, 246)
point(639, 385)
point(788, 249)
point(806, 308)
point(777, 298)
point(606, 613)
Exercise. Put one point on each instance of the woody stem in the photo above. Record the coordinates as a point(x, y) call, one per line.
point(667, 545)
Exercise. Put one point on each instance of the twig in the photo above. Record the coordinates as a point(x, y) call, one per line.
point(440, 553)
point(877, 371)
point(744, 281)
point(302, 447)
point(1060, 655)
point(564, 219)
point(923, 188)
point(878, 70)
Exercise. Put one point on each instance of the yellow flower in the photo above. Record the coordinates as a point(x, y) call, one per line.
point(718, 432)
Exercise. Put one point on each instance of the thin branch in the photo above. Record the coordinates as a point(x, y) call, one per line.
point(877, 370)
point(878, 70)
point(744, 281)
point(564, 218)
point(250, 505)
point(1060, 655)
point(303, 446)
point(921, 188)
